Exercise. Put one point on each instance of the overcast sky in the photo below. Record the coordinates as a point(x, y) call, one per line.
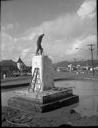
point(67, 25)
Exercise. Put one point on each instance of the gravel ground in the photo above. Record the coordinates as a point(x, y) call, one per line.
point(64, 116)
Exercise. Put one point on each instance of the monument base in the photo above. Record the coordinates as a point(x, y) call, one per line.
point(43, 101)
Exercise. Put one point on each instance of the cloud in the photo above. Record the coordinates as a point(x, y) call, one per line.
point(83, 49)
point(62, 26)
point(87, 9)
point(7, 28)
point(8, 46)
point(90, 39)
point(67, 26)
point(12, 47)
point(5, 35)
point(25, 52)
point(76, 44)
point(30, 36)
point(2, 28)
point(62, 36)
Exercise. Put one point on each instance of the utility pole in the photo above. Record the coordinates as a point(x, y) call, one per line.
point(91, 49)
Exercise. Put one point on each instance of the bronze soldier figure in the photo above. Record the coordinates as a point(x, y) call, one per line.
point(39, 47)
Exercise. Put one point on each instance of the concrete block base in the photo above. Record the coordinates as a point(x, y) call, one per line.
point(44, 101)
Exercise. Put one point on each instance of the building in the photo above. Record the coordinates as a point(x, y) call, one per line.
point(23, 69)
point(10, 68)
point(20, 64)
point(7, 68)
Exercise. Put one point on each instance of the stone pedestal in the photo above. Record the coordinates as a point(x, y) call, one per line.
point(44, 64)
point(45, 101)
point(42, 95)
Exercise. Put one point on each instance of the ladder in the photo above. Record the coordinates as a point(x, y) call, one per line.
point(36, 82)
point(36, 79)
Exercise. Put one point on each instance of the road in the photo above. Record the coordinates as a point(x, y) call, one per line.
point(26, 80)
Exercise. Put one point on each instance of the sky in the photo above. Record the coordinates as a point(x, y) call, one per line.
point(69, 26)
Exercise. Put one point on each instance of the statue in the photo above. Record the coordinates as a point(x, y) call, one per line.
point(39, 47)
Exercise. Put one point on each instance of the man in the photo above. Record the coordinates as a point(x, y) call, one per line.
point(39, 47)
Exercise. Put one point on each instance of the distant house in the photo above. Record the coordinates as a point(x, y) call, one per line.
point(20, 64)
point(22, 67)
point(70, 67)
point(7, 68)
point(96, 68)
point(10, 68)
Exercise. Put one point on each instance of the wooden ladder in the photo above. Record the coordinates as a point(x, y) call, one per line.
point(36, 79)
